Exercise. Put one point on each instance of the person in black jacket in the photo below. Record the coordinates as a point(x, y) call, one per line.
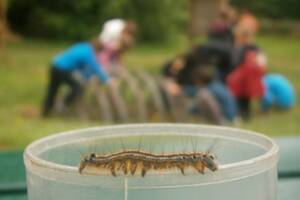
point(195, 71)
point(183, 78)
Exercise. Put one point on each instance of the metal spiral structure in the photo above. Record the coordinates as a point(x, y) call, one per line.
point(136, 97)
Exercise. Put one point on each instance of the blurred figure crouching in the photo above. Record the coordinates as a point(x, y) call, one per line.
point(80, 57)
point(279, 93)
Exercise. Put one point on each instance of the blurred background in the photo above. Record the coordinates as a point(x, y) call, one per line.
point(33, 32)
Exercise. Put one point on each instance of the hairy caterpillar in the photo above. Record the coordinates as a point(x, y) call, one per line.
point(140, 162)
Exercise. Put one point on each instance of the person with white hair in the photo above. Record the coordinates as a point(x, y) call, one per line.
point(116, 37)
point(112, 31)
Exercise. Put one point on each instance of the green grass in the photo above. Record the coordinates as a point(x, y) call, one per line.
point(23, 78)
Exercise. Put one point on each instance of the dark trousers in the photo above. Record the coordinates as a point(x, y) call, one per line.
point(244, 105)
point(58, 78)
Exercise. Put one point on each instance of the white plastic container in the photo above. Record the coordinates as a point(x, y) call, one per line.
point(247, 170)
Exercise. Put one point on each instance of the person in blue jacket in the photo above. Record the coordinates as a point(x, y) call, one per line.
point(279, 92)
point(79, 57)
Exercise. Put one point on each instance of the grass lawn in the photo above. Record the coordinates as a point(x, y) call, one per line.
point(23, 77)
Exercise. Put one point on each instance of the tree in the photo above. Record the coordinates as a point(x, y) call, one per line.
point(3, 23)
point(157, 20)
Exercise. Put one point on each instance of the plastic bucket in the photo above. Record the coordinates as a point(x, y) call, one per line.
point(247, 164)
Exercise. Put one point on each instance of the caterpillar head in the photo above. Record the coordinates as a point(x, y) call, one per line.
point(209, 160)
point(86, 160)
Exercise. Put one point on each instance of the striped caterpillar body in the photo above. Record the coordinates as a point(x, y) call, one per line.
point(140, 162)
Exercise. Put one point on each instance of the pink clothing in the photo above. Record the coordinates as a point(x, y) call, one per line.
point(109, 57)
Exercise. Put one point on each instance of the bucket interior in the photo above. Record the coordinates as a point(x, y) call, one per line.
point(227, 150)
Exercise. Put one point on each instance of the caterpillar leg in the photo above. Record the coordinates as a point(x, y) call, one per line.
point(125, 168)
point(81, 167)
point(119, 165)
point(145, 168)
point(181, 167)
point(113, 170)
point(182, 171)
point(144, 171)
point(199, 166)
point(133, 167)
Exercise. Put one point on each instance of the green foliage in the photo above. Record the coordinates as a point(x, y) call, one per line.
point(287, 9)
point(65, 19)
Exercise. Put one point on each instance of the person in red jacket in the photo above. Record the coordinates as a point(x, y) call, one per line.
point(246, 80)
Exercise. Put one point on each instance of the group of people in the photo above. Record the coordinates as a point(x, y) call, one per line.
point(227, 72)
point(222, 75)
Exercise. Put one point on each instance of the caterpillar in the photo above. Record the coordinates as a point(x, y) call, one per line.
point(132, 162)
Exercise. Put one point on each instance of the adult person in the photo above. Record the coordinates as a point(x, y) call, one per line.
point(192, 76)
point(79, 57)
point(219, 63)
point(221, 28)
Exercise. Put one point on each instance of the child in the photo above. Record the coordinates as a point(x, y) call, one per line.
point(80, 57)
point(279, 92)
point(117, 36)
point(245, 82)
